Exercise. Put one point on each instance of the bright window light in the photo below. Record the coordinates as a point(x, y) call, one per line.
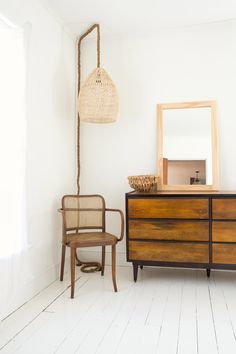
point(12, 139)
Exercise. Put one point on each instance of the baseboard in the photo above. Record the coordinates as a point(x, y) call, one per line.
point(41, 281)
point(31, 289)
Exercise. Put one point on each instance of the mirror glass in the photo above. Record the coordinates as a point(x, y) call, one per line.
point(187, 152)
point(187, 144)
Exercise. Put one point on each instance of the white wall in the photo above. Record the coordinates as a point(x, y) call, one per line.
point(50, 170)
point(195, 63)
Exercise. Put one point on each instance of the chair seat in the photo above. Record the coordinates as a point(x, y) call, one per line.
point(90, 239)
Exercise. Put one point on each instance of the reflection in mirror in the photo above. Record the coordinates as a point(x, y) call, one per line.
point(187, 146)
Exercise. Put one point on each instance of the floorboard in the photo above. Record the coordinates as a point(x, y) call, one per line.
point(167, 311)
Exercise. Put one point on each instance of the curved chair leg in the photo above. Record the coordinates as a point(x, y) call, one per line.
point(103, 259)
point(72, 270)
point(113, 262)
point(63, 254)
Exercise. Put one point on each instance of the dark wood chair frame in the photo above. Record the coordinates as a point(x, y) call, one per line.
point(106, 240)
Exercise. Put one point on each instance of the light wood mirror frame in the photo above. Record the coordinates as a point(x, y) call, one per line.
point(214, 145)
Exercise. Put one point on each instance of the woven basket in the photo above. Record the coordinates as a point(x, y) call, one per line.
point(98, 98)
point(142, 183)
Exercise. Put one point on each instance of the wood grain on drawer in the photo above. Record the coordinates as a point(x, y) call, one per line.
point(168, 252)
point(175, 208)
point(223, 253)
point(169, 230)
point(224, 231)
point(224, 208)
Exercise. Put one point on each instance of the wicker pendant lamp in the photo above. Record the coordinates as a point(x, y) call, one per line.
point(98, 98)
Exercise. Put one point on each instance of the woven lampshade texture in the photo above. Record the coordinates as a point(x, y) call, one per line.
point(98, 98)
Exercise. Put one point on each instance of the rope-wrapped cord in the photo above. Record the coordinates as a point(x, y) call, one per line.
point(86, 267)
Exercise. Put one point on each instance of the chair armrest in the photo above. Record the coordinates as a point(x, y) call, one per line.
point(122, 221)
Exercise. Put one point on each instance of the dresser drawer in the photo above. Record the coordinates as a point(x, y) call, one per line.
point(169, 252)
point(169, 230)
point(224, 231)
point(173, 208)
point(223, 253)
point(224, 208)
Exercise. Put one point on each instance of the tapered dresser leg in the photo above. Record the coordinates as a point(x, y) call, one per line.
point(208, 271)
point(135, 271)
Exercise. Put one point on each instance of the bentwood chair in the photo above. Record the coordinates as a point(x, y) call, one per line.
point(84, 225)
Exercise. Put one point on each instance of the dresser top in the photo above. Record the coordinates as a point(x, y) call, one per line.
point(183, 193)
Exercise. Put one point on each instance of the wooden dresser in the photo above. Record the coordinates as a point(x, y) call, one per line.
point(181, 229)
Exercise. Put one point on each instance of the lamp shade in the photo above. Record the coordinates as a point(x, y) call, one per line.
point(98, 98)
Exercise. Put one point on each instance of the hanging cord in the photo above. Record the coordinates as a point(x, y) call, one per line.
point(78, 90)
point(86, 267)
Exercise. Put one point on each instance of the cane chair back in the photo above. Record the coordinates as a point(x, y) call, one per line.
point(83, 212)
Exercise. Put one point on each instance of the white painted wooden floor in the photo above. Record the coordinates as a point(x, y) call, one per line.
point(167, 311)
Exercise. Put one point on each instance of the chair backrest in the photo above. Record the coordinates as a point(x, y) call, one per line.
point(83, 212)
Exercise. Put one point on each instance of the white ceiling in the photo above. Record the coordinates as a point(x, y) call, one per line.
point(121, 17)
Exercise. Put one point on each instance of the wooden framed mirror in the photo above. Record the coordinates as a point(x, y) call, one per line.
point(188, 146)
